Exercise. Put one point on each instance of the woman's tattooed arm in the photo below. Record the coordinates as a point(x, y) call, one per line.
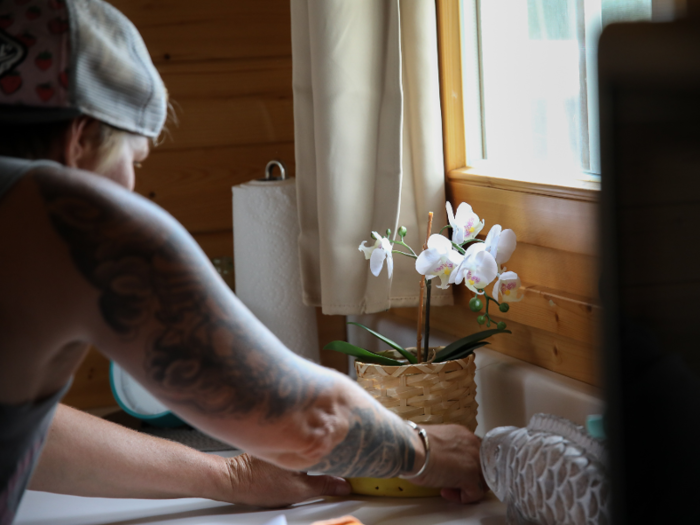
point(150, 281)
point(374, 446)
point(202, 349)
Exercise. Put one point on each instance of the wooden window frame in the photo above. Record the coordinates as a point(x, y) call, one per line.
point(555, 326)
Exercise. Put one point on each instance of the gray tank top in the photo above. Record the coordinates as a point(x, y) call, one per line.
point(23, 427)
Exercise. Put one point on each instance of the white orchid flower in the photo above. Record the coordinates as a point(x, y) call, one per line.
point(477, 270)
point(501, 244)
point(439, 260)
point(466, 225)
point(377, 253)
point(507, 288)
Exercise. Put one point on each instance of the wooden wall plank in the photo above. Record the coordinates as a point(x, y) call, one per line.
point(195, 184)
point(331, 328)
point(213, 79)
point(563, 224)
point(211, 29)
point(554, 352)
point(90, 388)
point(550, 310)
point(206, 123)
point(216, 244)
point(569, 272)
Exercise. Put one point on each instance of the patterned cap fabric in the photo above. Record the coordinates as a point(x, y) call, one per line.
point(63, 58)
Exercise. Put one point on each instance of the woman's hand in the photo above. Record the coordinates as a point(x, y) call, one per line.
point(256, 482)
point(454, 464)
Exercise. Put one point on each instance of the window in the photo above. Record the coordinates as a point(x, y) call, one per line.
point(530, 85)
point(554, 217)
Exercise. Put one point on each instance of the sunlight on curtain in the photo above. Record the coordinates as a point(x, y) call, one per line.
point(368, 144)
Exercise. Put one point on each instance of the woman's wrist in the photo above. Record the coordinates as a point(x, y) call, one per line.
point(423, 435)
point(419, 454)
point(224, 481)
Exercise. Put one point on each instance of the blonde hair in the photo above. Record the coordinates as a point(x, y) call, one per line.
point(112, 139)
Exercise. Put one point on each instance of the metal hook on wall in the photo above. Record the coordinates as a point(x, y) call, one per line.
point(270, 168)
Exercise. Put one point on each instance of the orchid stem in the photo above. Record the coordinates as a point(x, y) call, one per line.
point(427, 318)
point(413, 254)
point(488, 317)
point(419, 335)
point(445, 227)
point(422, 289)
point(459, 248)
point(471, 240)
point(404, 253)
point(492, 299)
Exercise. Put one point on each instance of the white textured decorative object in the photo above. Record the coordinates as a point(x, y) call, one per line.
point(550, 473)
point(266, 262)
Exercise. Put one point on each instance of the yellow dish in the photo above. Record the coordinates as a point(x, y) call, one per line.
point(392, 488)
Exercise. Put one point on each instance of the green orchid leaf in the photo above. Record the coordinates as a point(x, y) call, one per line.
point(461, 354)
point(363, 355)
point(465, 342)
point(410, 357)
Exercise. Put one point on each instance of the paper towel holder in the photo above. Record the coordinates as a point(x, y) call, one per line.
point(271, 166)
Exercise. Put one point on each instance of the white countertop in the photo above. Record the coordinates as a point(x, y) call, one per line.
point(41, 508)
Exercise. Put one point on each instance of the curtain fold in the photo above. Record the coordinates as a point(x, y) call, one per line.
point(368, 142)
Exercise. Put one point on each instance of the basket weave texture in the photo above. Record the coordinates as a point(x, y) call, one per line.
point(429, 393)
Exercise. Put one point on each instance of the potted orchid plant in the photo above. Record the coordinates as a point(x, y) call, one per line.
point(462, 259)
point(426, 385)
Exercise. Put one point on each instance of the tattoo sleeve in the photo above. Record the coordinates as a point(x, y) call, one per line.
point(373, 447)
point(198, 352)
point(155, 287)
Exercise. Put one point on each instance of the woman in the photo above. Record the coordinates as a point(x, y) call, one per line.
point(87, 262)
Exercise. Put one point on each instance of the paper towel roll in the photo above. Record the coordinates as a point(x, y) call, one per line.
point(266, 262)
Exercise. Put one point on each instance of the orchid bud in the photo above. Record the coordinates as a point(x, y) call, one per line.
point(403, 231)
point(475, 304)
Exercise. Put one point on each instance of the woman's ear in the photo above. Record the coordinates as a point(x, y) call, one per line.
point(79, 146)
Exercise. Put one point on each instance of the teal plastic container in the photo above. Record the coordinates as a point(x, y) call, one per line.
point(138, 402)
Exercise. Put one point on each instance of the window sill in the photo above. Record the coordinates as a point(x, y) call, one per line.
point(579, 190)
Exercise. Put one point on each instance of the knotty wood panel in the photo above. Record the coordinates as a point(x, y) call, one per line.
point(182, 30)
point(90, 388)
point(216, 244)
point(212, 79)
point(552, 351)
point(562, 224)
point(331, 328)
point(571, 273)
point(206, 123)
point(195, 184)
point(550, 310)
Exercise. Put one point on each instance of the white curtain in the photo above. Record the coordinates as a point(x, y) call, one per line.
point(368, 137)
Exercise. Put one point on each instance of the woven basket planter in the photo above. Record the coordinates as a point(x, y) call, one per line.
point(425, 393)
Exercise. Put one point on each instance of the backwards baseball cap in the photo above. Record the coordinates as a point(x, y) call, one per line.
point(64, 58)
